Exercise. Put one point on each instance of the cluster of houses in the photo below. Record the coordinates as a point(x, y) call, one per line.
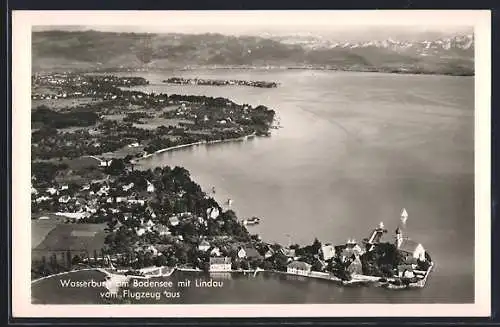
point(70, 85)
point(104, 197)
point(350, 253)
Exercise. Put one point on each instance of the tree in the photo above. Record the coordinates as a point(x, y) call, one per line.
point(116, 167)
point(317, 266)
point(316, 246)
point(76, 260)
point(68, 259)
point(281, 261)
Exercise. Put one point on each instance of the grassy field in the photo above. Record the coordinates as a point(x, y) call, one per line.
point(51, 236)
point(122, 152)
point(115, 117)
point(64, 103)
point(81, 163)
point(153, 123)
point(41, 228)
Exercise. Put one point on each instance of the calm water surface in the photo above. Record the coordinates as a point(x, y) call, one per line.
point(354, 150)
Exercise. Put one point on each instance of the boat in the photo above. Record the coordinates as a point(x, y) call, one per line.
point(251, 221)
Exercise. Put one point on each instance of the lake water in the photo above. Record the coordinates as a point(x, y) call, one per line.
point(355, 149)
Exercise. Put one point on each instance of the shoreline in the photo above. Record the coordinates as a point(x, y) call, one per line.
point(115, 280)
point(180, 146)
point(170, 69)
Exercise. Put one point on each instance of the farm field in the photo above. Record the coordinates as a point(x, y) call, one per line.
point(56, 104)
point(53, 236)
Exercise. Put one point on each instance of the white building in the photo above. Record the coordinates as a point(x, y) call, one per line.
point(204, 246)
point(174, 221)
point(242, 253)
point(327, 251)
point(215, 252)
point(151, 187)
point(128, 187)
point(64, 199)
point(298, 268)
point(162, 230)
point(220, 264)
point(408, 248)
point(52, 191)
point(213, 212)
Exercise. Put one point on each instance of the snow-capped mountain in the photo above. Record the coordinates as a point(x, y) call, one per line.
point(429, 54)
point(461, 43)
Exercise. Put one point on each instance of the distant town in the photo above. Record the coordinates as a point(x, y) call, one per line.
point(102, 211)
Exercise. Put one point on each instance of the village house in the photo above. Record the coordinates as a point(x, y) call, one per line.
point(220, 264)
point(149, 224)
point(204, 246)
point(327, 252)
point(242, 253)
point(150, 188)
point(269, 252)
point(140, 231)
point(151, 212)
point(215, 252)
point(161, 229)
point(213, 213)
point(406, 271)
point(52, 191)
point(174, 221)
point(350, 249)
point(152, 249)
point(298, 268)
point(355, 267)
point(43, 198)
point(248, 252)
point(136, 201)
point(64, 199)
point(127, 187)
point(290, 253)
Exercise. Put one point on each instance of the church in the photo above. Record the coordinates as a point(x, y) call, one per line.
point(410, 249)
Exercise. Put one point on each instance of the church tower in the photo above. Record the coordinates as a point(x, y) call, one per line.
point(399, 237)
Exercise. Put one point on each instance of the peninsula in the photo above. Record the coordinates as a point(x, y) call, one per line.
point(219, 82)
point(77, 115)
point(102, 212)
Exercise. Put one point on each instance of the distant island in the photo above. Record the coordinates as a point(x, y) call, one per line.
point(219, 82)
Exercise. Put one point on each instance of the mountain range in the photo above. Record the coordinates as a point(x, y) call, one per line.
point(96, 50)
